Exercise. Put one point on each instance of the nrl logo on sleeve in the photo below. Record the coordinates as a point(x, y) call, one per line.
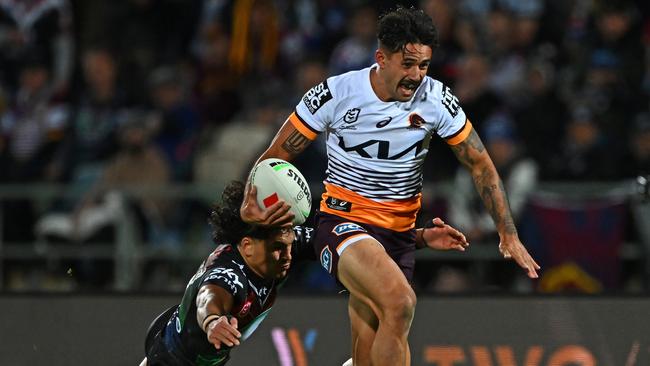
point(317, 96)
point(347, 227)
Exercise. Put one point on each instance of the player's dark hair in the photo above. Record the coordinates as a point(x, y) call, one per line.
point(402, 26)
point(227, 225)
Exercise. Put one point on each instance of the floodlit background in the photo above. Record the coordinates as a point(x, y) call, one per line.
point(121, 121)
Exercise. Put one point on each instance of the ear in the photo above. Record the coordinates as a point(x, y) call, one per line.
point(380, 58)
point(247, 246)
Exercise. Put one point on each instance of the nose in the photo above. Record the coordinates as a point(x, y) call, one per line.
point(414, 74)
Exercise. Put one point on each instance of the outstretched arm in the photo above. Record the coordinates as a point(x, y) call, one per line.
point(213, 305)
point(286, 145)
point(472, 154)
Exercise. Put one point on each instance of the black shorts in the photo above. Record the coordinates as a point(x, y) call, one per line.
point(155, 348)
point(334, 234)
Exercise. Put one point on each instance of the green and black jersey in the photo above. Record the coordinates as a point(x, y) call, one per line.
point(184, 340)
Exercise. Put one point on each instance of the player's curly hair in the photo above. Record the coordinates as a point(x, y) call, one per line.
point(227, 225)
point(402, 26)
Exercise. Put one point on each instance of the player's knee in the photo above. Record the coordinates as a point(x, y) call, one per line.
point(400, 308)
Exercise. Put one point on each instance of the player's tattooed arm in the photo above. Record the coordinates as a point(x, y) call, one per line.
point(295, 143)
point(287, 143)
point(472, 154)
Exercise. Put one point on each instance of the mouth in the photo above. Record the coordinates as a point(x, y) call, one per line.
point(407, 87)
point(285, 267)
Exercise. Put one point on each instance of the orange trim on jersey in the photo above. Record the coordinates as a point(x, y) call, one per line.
point(397, 215)
point(461, 135)
point(302, 127)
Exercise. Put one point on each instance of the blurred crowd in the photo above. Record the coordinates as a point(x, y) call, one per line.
point(99, 94)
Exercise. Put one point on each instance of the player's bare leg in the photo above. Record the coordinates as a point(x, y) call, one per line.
point(375, 280)
point(363, 326)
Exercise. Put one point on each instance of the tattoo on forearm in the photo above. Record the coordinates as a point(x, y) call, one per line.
point(493, 193)
point(487, 182)
point(295, 143)
point(464, 150)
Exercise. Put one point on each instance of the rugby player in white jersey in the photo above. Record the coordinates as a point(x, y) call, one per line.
point(378, 122)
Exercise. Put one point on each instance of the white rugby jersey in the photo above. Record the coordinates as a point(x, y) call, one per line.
point(376, 149)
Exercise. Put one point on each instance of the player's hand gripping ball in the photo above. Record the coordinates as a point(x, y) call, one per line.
point(277, 179)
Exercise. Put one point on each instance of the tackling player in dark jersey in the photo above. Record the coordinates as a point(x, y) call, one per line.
point(230, 294)
point(235, 287)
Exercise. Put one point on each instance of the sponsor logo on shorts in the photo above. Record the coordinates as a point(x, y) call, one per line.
point(347, 227)
point(338, 205)
point(317, 96)
point(326, 259)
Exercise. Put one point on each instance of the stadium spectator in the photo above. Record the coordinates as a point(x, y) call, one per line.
point(356, 50)
point(617, 31)
point(472, 88)
point(91, 138)
point(507, 66)
point(216, 88)
point(254, 38)
point(542, 115)
point(31, 131)
point(256, 127)
point(145, 33)
point(585, 152)
point(43, 26)
point(33, 125)
point(138, 164)
point(178, 126)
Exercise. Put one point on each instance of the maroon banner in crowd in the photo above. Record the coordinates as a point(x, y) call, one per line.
point(576, 242)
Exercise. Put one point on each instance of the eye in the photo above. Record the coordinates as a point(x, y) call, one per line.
point(424, 66)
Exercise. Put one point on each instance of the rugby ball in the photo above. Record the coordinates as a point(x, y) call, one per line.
point(276, 180)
